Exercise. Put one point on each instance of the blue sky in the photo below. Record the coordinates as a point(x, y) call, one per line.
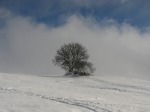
point(115, 32)
point(55, 12)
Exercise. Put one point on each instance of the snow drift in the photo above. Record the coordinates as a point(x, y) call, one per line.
point(25, 93)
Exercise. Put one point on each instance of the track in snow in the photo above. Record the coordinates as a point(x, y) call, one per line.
point(122, 85)
point(80, 103)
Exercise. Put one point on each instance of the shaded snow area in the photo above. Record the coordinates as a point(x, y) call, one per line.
point(25, 93)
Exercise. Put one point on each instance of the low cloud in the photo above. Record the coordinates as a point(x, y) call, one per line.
point(115, 49)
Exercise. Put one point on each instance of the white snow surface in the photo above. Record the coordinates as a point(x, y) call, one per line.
point(27, 93)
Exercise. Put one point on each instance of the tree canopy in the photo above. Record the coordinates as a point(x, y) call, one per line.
point(73, 58)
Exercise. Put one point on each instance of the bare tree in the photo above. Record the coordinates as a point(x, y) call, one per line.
point(73, 58)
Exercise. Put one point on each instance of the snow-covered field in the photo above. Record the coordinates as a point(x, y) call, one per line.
point(25, 93)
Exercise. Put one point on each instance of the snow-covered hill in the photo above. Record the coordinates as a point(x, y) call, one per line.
point(25, 93)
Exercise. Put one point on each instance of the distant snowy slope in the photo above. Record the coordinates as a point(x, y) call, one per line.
point(26, 93)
